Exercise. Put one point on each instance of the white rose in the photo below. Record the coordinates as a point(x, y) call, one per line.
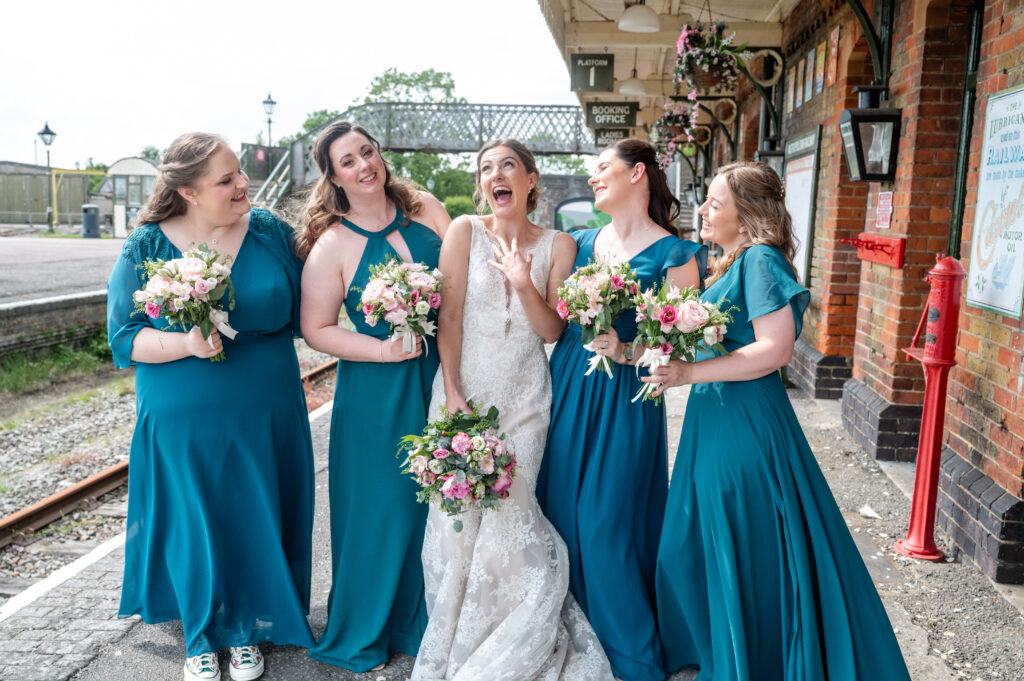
point(422, 307)
point(436, 466)
point(710, 336)
point(479, 443)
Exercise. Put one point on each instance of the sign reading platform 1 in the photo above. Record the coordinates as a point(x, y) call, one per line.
point(605, 137)
point(593, 73)
point(612, 114)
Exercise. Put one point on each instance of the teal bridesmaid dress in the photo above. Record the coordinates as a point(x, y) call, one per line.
point(220, 488)
point(604, 478)
point(758, 577)
point(376, 605)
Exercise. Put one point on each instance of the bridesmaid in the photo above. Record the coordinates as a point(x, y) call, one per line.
point(758, 576)
point(220, 509)
point(604, 478)
point(359, 215)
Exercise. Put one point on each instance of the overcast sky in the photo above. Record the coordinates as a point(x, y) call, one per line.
point(112, 77)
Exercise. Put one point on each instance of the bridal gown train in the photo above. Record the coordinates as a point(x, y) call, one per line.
point(497, 592)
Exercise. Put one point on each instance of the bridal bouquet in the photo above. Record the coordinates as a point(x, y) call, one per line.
point(403, 294)
point(673, 324)
point(594, 297)
point(461, 460)
point(190, 291)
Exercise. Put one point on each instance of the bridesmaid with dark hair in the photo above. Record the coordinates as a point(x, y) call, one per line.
point(359, 215)
point(604, 477)
point(758, 576)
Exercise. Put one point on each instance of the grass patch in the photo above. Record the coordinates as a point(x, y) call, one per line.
point(24, 371)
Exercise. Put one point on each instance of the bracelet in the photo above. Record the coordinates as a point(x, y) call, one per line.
point(381, 349)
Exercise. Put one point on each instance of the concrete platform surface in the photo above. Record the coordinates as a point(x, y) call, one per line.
point(36, 267)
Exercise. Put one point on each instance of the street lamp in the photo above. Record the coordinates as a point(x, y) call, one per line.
point(871, 137)
point(47, 136)
point(268, 105)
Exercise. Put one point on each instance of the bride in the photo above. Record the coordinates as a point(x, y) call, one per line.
point(497, 592)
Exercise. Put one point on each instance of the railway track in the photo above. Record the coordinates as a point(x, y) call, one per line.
point(21, 527)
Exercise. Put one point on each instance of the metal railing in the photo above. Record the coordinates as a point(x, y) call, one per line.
point(276, 185)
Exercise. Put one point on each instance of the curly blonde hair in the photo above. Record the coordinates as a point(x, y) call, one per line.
point(759, 196)
point(327, 203)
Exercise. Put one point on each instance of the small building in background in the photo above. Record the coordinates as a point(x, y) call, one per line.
point(130, 183)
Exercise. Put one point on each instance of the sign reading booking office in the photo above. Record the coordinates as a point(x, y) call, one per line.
point(612, 114)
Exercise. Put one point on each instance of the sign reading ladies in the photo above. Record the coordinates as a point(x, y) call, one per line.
point(996, 278)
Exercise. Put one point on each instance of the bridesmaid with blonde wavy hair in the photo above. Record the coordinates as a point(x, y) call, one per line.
point(359, 215)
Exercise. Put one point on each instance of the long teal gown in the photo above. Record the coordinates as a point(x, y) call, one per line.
point(220, 488)
point(758, 578)
point(604, 478)
point(376, 605)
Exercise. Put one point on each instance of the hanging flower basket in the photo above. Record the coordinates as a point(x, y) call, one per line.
point(707, 58)
point(672, 131)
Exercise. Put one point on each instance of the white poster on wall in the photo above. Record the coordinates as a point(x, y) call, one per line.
point(801, 181)
point(995, 278)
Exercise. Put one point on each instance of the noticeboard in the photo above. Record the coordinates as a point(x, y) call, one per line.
point(592, 73)
point(995, 279)
point(801, 184)
point(611, 114)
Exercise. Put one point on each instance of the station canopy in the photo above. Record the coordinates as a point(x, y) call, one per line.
point(591, 27)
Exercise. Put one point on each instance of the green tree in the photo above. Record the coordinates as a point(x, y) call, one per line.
point(95, 181)
point(561, 164)
point(421, 86)
point(151, 154)
point(459, 205)
point(313, 121)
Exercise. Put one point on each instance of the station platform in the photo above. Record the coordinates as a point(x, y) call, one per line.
point(38, 267)
point(66, 626)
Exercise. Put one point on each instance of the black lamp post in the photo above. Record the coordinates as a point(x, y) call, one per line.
point(47, 136)
point(772, 155)
point(268, 105)
point(871, 137)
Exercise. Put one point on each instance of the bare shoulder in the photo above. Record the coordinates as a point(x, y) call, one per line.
point(460, 231)
point(331, 244)
point(432, 213)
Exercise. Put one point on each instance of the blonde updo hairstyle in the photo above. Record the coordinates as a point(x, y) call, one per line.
point(184, 164)
point(328, 204)
point(759, 197)
point(525, 157)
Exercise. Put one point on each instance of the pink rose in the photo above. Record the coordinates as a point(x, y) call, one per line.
point(441, 453)
point(368, 309)
point(373, 290)
point(667, 316)
point(563, 309)
point(666, 348)
point(511, 464)
point(428, 478)
point(435, 300)
point(693, 317)
point(414, 296)
point(202, 287)
point(502, 484)
point(191, 268)
point(396, 317)
point(418, 465)
point(618, 282)
point(453, 489)
point(486, 464)
point(462, 443)
point(632, 289)
point(152, 309)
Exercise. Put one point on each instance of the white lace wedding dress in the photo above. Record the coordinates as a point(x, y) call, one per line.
point(497, 592)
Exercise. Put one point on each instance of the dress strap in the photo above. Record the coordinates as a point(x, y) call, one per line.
point(380, 233)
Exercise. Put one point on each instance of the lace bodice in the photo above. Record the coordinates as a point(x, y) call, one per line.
point(503, 360)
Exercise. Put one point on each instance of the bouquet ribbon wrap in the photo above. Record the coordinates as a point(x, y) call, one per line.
point(653, 358)
point(597, 362)
point(219, 318)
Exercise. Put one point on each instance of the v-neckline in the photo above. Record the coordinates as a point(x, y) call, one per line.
point(593, 246)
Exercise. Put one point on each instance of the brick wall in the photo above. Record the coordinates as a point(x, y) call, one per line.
point(928, 66)
point(984, 409)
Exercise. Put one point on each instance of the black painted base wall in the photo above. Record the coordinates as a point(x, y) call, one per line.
point(886, 431)
point(984, 521)
point(819, 375)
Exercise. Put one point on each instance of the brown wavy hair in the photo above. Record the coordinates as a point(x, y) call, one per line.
point(662, 206)
point(759, 196)
point(184, 163)
point(528, 161)
point(327, 203)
